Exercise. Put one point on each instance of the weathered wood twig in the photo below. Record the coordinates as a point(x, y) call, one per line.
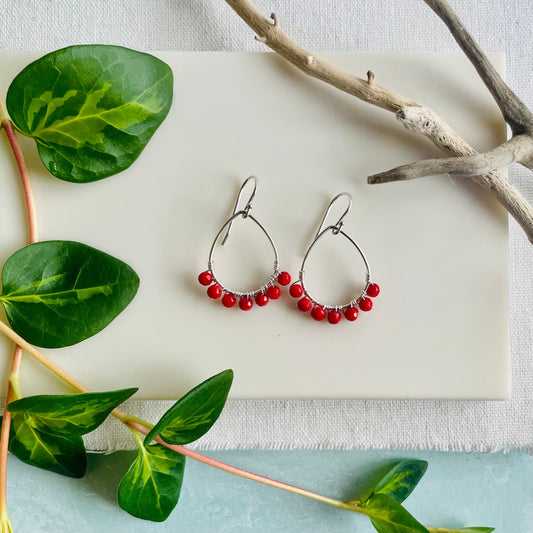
point(519, 149)
point(472, 165)
point(514, 111)
point(484, 169)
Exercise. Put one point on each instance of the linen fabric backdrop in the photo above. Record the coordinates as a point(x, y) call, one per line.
point(325, 26)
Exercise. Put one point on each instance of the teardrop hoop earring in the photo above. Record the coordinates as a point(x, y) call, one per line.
point(269, 290)
point(333, 312)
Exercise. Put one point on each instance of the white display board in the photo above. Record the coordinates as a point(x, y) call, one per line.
point(436, 246)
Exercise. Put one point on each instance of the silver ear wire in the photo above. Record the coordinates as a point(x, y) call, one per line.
point(337, 227)
point(244, 212)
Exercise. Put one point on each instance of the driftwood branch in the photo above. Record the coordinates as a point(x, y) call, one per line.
point(419, 118)
point(269, 32)
point(514, 111)
point(519, 149)
point(467, 166)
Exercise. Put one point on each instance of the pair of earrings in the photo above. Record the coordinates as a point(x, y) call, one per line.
point(270, 289)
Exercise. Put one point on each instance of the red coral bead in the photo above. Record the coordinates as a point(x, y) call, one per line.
point(228, 300)
point(215, 291)
point(296, 290)
point(261, 299)
point(365, 304)
point(305, 304)
point(372, 290)
point(284, 278)
point(205, 278)
point(273, 292)
point(351, 313)
point(318, 313)
point(334, 317)
point(245, 303)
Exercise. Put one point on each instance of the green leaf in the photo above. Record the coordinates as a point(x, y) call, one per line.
point(151, 487)
point(388, 516)
point(58, 293)
point(400, 480)
point(91, 108)
point(73, 414)
point(193, 415)
point(55, 453)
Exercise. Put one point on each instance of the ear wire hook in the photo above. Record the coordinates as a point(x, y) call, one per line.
point(338, 225)
point(246, 208)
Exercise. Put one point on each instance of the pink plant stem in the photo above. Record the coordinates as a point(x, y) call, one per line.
point(17, 354)
point(142, 427)
point(245, 474)
point(4, 434)
point(26, 182)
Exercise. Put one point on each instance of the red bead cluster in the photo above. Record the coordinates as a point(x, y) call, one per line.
point(334, 316)
point(215, 291)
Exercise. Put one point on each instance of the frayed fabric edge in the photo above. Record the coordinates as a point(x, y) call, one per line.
point(455, 448)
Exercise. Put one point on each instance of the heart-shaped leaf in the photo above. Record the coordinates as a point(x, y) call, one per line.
point(91, 108)
point(388, 516)
point(151, 487)
point(194, 414)
point(58, 293)
point(55, 453)
point(399, 481)
point(72, 414)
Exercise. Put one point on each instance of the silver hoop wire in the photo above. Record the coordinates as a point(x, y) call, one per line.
point(335, 229)
point(245, 214)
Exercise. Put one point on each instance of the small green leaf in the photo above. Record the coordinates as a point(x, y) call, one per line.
point(91, 108)
point(72, 414)
point(151, 487)
point(193, 415)
point(58, 293)
point(388, 516)
point(399, 481)
point(55, 453)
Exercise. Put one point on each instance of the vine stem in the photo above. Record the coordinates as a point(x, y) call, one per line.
point(7, 125)
point(12, 386)
point(144, 427)
point(36, 354)
point(250, 475)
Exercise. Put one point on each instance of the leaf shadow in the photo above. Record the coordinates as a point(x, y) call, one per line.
point(364, 480)
point(105, 471)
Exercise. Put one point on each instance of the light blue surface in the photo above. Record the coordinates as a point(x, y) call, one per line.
point(458, 490)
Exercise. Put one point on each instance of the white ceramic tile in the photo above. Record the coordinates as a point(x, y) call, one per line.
point(437, 247)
